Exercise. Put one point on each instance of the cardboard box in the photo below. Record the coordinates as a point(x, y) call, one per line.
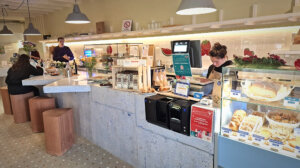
point(100, 28)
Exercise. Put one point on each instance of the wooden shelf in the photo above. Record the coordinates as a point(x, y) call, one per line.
point(261, 21)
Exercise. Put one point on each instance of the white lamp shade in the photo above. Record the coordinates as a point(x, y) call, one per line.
point(6, 31)
point(31, 30)
point(77, 17)
point(195, 7)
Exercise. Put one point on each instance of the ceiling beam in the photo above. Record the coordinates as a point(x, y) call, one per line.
point(37, 3)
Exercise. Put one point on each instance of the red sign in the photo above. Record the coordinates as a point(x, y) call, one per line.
point(201, 123)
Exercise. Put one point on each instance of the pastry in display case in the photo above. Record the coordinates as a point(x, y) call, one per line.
point(261, 108)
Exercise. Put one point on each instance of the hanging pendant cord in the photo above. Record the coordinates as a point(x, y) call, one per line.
point(17, 7)
point(28, 12)
point(4, 12)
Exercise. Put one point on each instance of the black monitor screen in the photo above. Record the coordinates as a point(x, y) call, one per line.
point(192, 47)
point(180, 46)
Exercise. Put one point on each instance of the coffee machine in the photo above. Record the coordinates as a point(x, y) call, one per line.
point(169, 113)
point(157, 110)
point(179, 113)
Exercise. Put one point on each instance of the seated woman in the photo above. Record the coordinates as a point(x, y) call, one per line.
point(35, 55)
point(19, 71)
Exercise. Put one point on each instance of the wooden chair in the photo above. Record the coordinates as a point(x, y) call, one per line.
point(6, 100)
point(20, 107)
point(59, 131)
point(37, 105)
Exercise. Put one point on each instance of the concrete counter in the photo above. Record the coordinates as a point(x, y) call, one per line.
point(115, 120)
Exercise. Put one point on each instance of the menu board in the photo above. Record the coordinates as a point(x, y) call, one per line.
point(201, 123)
point(182, 65)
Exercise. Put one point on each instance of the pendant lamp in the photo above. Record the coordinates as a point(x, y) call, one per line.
point(195, 7)
point(31, 30)
point(76, 17)
point(5, 30)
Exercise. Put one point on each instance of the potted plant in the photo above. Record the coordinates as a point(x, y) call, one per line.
point(89, 63)
point(270, 62)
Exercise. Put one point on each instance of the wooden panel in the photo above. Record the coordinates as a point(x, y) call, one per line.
point(20, 107)
point(37, 106)
point(59, 131)
point(6, 100)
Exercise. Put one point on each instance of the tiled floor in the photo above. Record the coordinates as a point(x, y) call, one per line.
point(19, 147)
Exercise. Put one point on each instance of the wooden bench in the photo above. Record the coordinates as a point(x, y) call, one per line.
point(59, 130)
point(6, 100)
point(20, 107)
point(37, 105)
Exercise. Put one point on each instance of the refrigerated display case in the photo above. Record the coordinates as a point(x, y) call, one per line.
point(260, 112)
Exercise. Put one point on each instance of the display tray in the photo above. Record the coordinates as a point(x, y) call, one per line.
point(276, 130)
point(261, 142)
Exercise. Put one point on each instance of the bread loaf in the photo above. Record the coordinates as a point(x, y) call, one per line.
point(236, 119)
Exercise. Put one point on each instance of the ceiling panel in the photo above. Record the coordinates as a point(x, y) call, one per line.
point(37, 7)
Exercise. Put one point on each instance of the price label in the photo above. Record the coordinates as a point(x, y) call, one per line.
point(226, 130)
point(291, 102)
point(298, 149)
point(243, 133)
point(275, 143)
point(258, 138)
point(297, 132)
point(235, 94)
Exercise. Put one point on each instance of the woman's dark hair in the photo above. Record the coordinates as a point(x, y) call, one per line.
point(22, 61)
point(60, 38)
point(35, 53)
point(218, 50)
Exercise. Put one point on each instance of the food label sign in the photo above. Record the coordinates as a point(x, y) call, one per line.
point(291, 102)
point(201, 123)
point(127, 24)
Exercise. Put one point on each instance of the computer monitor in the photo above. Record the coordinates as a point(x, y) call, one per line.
point(189, 46)
point(88, 52)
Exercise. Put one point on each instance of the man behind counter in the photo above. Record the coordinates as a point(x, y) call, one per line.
point(61, 52)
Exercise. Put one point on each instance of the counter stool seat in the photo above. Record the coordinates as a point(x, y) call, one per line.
point(6, 100)
point(20, 107)
point(37, 105)
point(59, 131)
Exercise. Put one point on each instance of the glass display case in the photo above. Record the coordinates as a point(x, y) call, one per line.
point(109, 53)
point(260, 107)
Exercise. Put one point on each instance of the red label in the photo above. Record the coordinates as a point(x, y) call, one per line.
point(201, 123)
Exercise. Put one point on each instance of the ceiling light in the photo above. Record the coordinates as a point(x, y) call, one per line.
point(5, 30)
point(31, 30)
point(195, 7)
point(77, 17)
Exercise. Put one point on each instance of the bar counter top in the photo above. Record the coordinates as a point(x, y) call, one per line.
point(60, 83)
point(115, 120)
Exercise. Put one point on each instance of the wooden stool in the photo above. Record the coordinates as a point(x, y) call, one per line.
point(59, 131)
point(37, 105)
point(6, 100)
point(20, 107)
